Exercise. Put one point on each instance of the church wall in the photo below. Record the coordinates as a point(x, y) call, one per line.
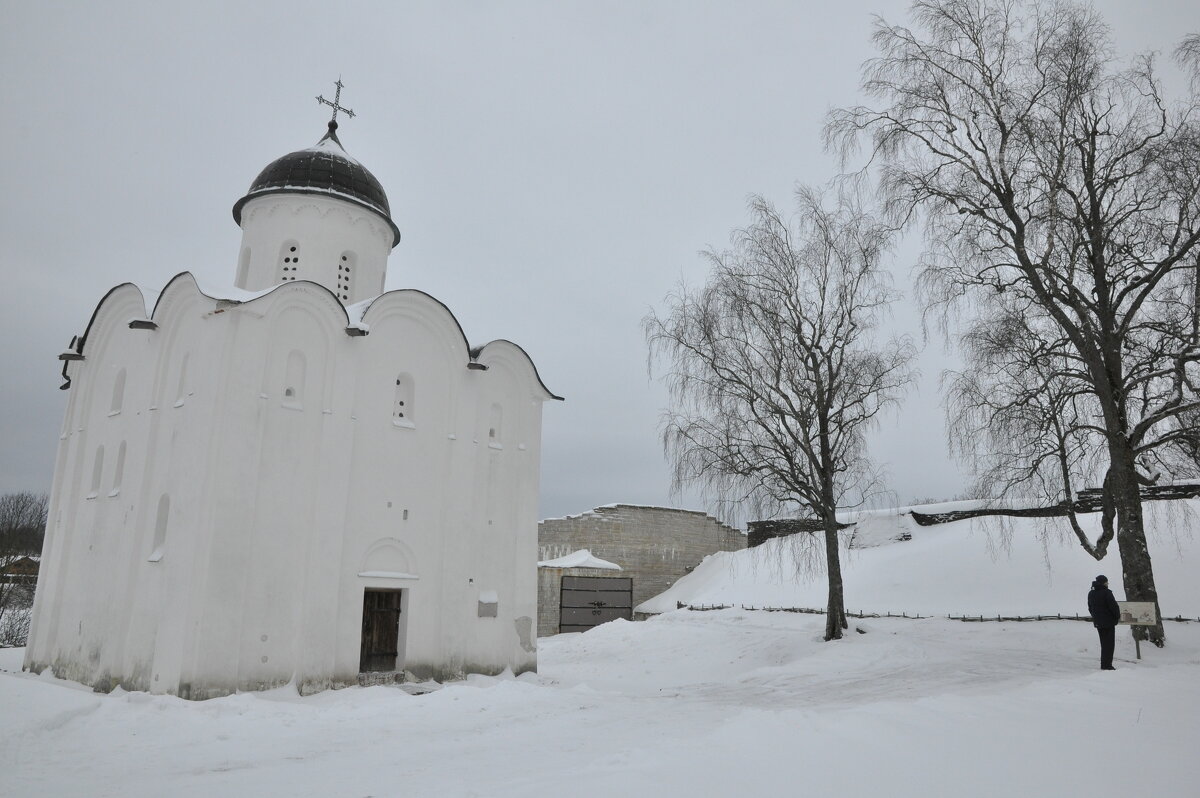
point(212, 659)
point(212, 655)
point(55, 571)
point(271, 517)
point(73, 627)
point(406, 466)
point(320, 602)
point(265, 493)
point(286, 489)
point(513, 474)
point(163, 556)
point(98, 587)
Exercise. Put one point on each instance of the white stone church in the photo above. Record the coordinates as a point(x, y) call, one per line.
point(299, 480)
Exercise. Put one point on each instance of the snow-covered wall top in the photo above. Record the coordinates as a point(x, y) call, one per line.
point(579, 559)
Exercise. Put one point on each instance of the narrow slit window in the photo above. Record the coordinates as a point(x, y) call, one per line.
point(160, 528)
point(495, 426)
point(118, 393)
point(97, 472)
point(118, 471)
point(403, 406)
point(293, 385)
point(182, 392)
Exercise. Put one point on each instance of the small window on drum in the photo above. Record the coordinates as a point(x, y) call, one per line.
point(403, 405)
point(243, 271)
point(289, 261)
point(346, 266)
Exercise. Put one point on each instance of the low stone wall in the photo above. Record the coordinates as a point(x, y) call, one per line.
point(1090, 500)
point(759, 532)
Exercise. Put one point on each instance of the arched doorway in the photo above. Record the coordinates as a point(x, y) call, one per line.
point(387, 569)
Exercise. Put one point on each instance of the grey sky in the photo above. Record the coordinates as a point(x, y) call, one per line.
point(553, 168)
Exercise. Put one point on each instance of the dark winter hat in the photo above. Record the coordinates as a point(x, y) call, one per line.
point(1102, 579)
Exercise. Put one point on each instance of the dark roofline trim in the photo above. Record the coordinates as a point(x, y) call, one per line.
point(82, 340)
point(473, 354)
point(432, 298)
point(316, 192)
point(78, 341)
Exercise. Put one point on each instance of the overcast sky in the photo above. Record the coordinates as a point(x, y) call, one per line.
point(554, 169)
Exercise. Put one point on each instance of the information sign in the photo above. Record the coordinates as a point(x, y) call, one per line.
point(1137, 613)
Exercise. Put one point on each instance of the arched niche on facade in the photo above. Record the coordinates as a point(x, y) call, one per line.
point(389, 558)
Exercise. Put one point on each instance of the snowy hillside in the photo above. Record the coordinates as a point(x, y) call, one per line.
point(1005, 566)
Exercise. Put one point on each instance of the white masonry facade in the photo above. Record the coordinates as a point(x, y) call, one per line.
point(298, 480)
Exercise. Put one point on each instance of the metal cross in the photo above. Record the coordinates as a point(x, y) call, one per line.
point(335, 104)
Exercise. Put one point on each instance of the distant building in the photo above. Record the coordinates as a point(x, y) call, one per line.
point(299, 479)
point(20, 570)
point(653, 546)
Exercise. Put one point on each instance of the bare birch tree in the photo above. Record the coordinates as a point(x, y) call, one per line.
point(774, 374)
point(1021, 415)
point(1055, 183)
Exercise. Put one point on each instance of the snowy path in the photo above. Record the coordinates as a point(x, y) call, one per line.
point(689, 704)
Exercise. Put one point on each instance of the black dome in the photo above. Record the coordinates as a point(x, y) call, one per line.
point(324, 169)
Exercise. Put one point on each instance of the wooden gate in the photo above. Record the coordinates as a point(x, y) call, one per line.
point(380, 630)
point(589, 601)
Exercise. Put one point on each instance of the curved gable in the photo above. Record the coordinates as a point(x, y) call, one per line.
point(120, 298)
point(110, 317)
point(411, 303)
point(503, 350)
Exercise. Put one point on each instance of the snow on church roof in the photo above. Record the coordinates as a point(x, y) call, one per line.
point(579, 559)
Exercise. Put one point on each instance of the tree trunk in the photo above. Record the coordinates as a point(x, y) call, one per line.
point(835, 609)
point(1137, 573)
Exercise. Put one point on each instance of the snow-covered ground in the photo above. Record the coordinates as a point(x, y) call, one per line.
point(731, 702)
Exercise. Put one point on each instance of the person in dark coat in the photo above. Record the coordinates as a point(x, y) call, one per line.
point(1105, 614)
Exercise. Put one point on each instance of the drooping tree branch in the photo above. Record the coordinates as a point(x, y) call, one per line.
point(774, 373)
point(1060, 187)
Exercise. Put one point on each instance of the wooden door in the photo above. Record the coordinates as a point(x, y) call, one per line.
point(380, 630)
point(589, 601)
